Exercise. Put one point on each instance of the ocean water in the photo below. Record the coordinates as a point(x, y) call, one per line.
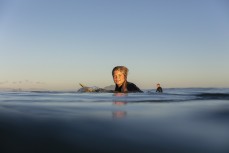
point(190, 120)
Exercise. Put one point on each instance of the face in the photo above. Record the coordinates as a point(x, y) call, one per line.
point(118, 78)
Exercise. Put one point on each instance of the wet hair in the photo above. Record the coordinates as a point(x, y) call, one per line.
point(124, 70)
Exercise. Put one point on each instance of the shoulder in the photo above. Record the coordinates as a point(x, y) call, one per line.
point(131, 87)
point(131, 84)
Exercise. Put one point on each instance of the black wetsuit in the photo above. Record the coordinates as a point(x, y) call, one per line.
point(159, 89)
point(131, 87)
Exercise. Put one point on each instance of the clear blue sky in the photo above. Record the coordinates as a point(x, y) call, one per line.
point(55, 44)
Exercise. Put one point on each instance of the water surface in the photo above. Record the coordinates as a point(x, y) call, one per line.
point(178, 120)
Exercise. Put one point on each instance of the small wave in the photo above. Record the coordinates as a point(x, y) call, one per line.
point(174, 95)
point(52, 92)
point(208, 96)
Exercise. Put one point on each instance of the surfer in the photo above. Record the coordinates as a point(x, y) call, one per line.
point(159, 89)
point(119, 74)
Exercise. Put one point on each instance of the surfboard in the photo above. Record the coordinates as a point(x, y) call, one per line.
point(85, 88)
point(92, 89)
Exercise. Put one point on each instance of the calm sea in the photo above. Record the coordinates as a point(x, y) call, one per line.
point(190, 120)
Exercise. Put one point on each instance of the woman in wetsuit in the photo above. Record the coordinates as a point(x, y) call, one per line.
point(119, 74)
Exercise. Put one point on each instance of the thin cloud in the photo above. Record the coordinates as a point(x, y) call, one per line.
point(4, 82)
point(38, 82)
point(22, 82)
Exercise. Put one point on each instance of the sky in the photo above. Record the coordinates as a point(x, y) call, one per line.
point(57, 44)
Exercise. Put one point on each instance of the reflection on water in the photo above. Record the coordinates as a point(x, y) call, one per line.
point(117, 102)
point(119, 114)
point(120, 94)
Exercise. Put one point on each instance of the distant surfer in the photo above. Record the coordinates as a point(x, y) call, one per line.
point(119, 74)
point(159, 88)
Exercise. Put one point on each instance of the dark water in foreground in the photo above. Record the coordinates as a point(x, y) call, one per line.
point(179, 120)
